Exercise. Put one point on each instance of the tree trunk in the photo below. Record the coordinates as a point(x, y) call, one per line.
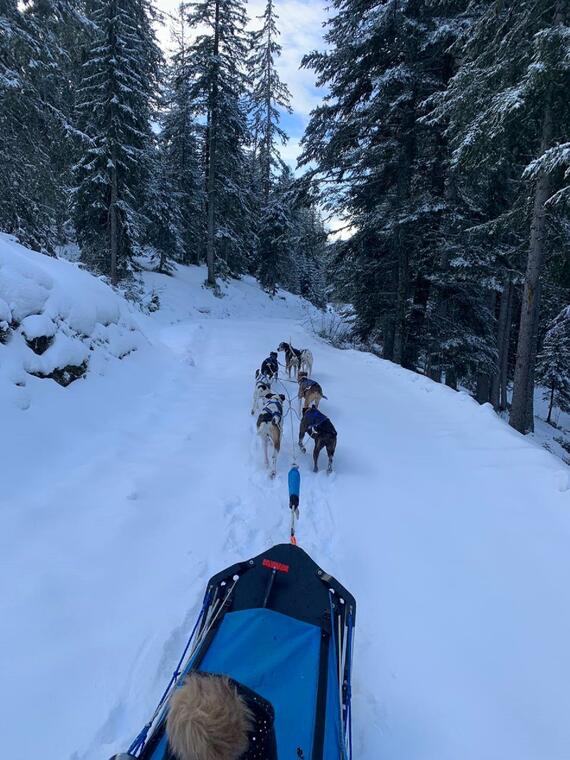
point(211, 149)
point(451, 378)
point(401, 302)
point(500, 379)
point(407, 152)
point(113, 221)
point(483, 392)
point(522, 406)
point(450, 231)
point(388, 334)
point(484, 379)
point(436, 358)
point(417, 319)
point(550, 405)
point(529, 423)
point(267, 147)
point(435, 371)
point(162, 262)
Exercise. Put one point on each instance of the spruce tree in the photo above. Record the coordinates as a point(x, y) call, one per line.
point(309, 252)
point(163, 214)
point(215, 66)
point(182, 141)
point(116, 97)
point(275, 246)
point(37, 133)
point(553, 364)
point(19, 212)
point(269, 97)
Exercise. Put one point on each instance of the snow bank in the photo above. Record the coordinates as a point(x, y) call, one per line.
point(56, 321)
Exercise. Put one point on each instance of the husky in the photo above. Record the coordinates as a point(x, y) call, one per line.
point(310, 392)
point(306, 361)
point(262, 386)
point(322, 431)
point(296, 359)
point(269, 427)
point(270, 366)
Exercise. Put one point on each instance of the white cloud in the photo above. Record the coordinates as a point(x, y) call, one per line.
point(290, 151)
point(300, 23)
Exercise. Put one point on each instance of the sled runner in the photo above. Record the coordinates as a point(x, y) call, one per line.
point(283, 627)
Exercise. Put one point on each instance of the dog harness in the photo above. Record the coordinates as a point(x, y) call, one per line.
point(318, 421)
point(293, 352)
point(263, 383)
point(270, 366)
point(305, 383)
point(273, 411)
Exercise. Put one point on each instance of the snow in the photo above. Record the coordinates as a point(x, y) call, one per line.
point(63, 352)
point(82, 319)
point(548, 436)
point(122, 493)
point(37, 325)
point(5, 312)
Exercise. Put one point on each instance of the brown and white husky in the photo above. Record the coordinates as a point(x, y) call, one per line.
point(269, 427)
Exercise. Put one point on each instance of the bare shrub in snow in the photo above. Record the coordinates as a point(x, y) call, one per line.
point(333, 326)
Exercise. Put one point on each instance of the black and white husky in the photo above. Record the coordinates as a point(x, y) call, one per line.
point(262, 386)
point(269, 427)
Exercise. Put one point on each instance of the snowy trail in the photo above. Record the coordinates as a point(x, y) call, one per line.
point(121, 499)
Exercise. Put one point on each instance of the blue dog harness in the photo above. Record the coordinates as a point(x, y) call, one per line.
point(305, 383)
point(315, 419)
point(263, 382)
point(274, 410)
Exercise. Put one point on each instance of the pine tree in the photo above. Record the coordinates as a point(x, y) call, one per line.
point(163, 212)
point(37, 135)
point(553, 364)
point(275, 243)
point(182, 143)
point(460, 329)
point(309, 253)
point(269, 96)
point(60, 31)
point(115, 105)
point(17, 108)
point(215, 64)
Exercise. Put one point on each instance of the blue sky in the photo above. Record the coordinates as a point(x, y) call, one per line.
point(300, 22)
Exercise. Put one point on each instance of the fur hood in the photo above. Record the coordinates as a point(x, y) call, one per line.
point(208, 720)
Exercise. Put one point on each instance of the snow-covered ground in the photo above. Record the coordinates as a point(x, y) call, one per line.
point(55, 319)
point(556, 437)
point(122, 493)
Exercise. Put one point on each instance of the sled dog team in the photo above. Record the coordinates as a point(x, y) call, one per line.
point(298, 364)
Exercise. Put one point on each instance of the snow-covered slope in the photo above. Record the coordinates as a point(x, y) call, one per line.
point(126, 491)
point(56, 321)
